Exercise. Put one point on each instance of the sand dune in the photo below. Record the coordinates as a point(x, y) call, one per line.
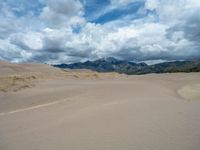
point(85, 110)
point(15, 77)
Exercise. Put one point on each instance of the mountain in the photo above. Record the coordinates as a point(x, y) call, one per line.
point(121, 66)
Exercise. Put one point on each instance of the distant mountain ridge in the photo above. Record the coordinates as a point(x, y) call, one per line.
point(121, 66)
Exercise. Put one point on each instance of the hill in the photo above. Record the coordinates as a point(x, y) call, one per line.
point(127, 67)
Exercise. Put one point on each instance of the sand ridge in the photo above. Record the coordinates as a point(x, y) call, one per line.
point(15, 77)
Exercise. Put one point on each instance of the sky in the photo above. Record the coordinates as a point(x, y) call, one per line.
point(67, 31)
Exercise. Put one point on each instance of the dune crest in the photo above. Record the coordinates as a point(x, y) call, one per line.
point(15, 77)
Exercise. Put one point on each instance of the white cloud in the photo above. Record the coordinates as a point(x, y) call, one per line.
point(60, 12)
point(171, 32)
point(151, 4)
point(28, 41)
point(123, 2)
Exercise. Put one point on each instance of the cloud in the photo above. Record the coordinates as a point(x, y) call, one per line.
point(123, 2)
point(60, 12)
point(65, 7)
point(60, 31)
point(151, 4)
point(27, 41)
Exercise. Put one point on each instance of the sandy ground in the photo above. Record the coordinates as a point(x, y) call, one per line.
point(84, 110)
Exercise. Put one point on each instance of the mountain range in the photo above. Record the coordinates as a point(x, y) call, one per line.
point(122, 66)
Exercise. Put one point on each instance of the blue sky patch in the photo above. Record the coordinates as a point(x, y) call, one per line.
point(117, 13)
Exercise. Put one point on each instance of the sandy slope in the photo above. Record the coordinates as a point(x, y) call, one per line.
point(83, 110)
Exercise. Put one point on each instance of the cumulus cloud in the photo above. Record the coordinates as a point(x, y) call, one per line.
point(61, 12)
point(59, 32)
point(27, 41)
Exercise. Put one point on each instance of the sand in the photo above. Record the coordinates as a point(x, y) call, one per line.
point(85, 110)
point(190, 92)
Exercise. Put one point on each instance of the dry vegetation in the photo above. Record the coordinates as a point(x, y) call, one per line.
point(16, 82)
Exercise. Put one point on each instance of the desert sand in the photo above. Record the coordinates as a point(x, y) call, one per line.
point(45, 108)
